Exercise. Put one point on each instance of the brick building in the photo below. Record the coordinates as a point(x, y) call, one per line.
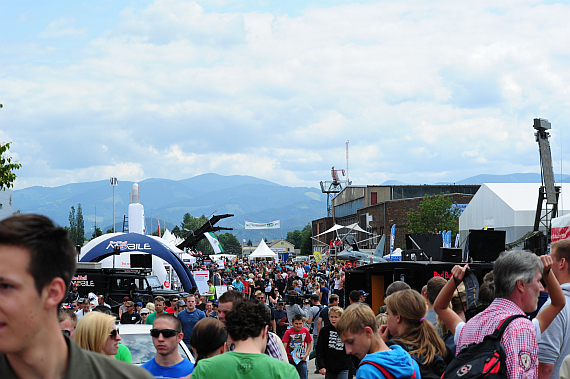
point(376, 208)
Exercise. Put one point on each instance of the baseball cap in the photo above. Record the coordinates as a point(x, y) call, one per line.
point(180, 303)
point(362, 293)
point(139, 303)
point(144, 310)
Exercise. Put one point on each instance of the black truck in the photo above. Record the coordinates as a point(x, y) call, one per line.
point(115, 284)
point(375, 278)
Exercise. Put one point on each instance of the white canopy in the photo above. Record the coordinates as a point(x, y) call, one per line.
point(263, 251)
point(336, 227)
point(506, 206)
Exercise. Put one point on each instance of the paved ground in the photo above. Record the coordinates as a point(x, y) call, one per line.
point(311, 367)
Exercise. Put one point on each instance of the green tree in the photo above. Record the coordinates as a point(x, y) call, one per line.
point(155, 233)
point(189, 225)
point(435, 215)
point(72, 228)
point(80, 226)
point(306, 244)
point(176, 230)
point(295, 237)
point(249, 243)
point(230, 243)
point(97, 233)
point(7, 167)
point(76, 228)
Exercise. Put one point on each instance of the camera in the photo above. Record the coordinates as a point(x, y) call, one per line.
point(295, 298)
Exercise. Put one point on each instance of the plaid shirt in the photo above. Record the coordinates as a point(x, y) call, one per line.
point(272, 348)
point(519, 339)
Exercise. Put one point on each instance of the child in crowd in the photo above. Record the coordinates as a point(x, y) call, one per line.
point(358, 330)
point(331, 355)
point(298, 342)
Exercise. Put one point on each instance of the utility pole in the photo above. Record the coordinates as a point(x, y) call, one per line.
point(114, 183)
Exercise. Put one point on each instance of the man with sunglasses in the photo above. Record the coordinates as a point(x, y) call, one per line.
point(130, 316)
point(37, 262)
point(166, 334)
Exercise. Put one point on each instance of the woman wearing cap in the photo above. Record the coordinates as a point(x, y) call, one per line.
point(144, 314)
point(123, 307)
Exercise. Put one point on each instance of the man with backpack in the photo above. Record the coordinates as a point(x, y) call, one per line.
point(517, 287)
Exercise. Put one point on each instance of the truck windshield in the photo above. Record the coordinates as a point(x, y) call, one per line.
point(153, 282)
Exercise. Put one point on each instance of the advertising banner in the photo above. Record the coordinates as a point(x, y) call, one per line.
point(268, 225)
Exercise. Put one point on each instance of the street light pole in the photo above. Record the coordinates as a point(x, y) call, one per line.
point(114, 183)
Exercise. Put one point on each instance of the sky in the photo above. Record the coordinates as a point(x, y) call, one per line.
point(423, 91)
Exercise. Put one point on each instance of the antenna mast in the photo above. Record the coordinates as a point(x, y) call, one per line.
point(347, 181)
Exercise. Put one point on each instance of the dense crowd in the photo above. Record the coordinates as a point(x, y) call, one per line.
point(267, 320)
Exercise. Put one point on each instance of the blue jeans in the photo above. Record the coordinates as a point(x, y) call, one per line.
point(301, 369)
point(341, 375)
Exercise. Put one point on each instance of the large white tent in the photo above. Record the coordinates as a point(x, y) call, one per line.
point(263, 251)
point(506, 206)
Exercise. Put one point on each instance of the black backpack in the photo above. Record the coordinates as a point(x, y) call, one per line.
point(486, 359)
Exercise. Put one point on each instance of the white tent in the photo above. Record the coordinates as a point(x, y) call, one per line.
point(506, 206)
point(351, 227)
point(263, 251)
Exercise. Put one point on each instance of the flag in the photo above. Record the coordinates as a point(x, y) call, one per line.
point(218, 249)
point(158, 228)
point(392, 237)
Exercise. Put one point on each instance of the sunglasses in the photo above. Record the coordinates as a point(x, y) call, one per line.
point(166, 333)
point(114, 333)
point(260, 298)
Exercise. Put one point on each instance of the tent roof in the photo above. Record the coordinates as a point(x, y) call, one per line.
point(263, 251)
point(336, 227)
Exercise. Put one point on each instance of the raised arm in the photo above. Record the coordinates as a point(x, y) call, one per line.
point(441, 304)
point(557, 298)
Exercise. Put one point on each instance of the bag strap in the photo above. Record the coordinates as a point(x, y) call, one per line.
point(384, 372)
point(503, 326)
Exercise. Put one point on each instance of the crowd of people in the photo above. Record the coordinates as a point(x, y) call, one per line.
point(271, 319)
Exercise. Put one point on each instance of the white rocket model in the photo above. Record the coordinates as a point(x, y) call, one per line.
point(136, 213)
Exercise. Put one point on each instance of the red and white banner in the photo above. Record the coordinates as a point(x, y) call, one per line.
point(560, 228)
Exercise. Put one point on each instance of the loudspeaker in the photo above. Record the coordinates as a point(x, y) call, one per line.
point(429, 243)
point(450, 254)
point(536, 244)
point(486, 245)
point(413, 255)
point(141, 261)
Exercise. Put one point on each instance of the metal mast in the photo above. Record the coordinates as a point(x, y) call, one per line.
point(545, 211)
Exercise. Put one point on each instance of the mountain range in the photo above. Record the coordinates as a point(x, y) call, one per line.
point(246, 197)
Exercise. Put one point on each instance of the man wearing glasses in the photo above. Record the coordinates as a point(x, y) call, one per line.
point(37, 261)
point(166, 334)
point(179, 307)
point(130, 316)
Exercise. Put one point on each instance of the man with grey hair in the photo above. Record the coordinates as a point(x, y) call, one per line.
point(517, 287)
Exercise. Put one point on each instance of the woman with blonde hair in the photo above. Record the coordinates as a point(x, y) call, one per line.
point(407, 324)
point(96, 332)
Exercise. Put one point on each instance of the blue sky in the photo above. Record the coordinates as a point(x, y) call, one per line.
point(425, 91)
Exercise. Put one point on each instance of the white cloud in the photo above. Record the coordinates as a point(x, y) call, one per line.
point(423, 91)
point(62, 27)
